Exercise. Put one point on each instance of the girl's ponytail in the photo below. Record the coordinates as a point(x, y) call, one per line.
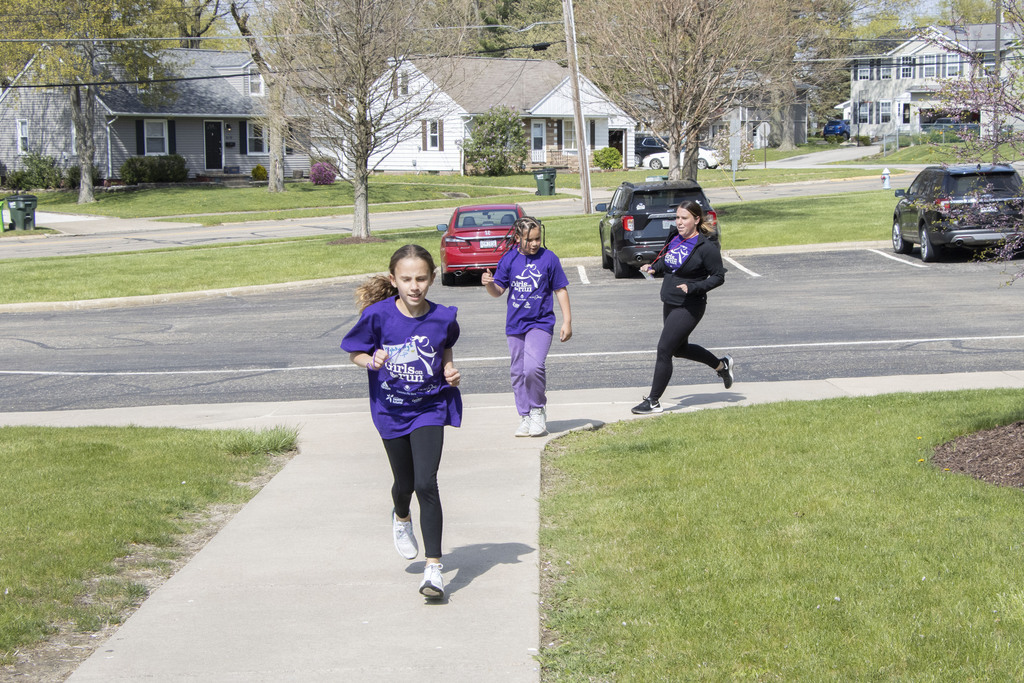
point(377, 288)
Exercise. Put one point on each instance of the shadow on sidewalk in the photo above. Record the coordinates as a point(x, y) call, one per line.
point(475, 560)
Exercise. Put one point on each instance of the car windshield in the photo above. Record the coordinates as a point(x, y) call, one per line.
point(1004, 184)
point(486, 218)
point(661, 200)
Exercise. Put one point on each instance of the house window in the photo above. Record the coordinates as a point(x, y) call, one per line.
point(257, 144)
point(884, 112)
point(403, 83)
point(255, 82)
point(906, 112)
point(864, 73)
point(990, 64)
point(73, 137)
point(953, 66)
point(22, 136)
point(928, 66)
point(569, 134)
point(156, 137)
point(863, 111)
point(907, 67)
point(433, 135)
point(885, 72)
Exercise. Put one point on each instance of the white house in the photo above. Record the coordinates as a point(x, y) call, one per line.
point(540, 91)
point(897, 89)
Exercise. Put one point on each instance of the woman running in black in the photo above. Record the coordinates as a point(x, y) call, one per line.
point(692, 264)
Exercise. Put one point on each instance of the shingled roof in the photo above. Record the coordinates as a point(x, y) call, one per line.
point(216, 97)
point(479, 83)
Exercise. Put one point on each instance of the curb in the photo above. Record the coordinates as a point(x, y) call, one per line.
point(174, 297)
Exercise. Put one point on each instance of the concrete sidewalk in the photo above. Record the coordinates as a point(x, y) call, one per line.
point(304, 583)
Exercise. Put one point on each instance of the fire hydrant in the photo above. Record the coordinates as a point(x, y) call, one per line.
point(885, 179)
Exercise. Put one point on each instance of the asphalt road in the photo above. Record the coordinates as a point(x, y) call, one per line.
point(783, 317)
point(102, 235)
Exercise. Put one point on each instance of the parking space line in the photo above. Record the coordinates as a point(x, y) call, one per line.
point(583, 275)
point(737, 264)
point(897, 259)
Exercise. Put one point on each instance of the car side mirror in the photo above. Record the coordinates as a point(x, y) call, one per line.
point(603, 208)
point(901, 193)
point(442, 227)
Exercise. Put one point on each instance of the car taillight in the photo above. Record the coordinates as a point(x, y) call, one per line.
point(943, 205)
point(627, 223)
point(713, 218)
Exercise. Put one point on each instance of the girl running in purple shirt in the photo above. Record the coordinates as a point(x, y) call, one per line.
point(405, 343)
point(533, 277)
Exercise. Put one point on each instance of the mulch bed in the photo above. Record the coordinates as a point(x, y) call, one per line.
point(995, 456)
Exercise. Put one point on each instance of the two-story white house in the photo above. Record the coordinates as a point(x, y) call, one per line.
point(898, 89)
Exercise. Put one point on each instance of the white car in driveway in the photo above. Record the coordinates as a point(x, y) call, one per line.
point(706, 158)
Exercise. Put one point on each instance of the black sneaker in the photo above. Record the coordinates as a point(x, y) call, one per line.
point(726, 372)
point(647, 406)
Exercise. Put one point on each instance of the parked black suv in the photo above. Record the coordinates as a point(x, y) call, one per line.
point(966, 205)
point(640, 218)
point(645, 146)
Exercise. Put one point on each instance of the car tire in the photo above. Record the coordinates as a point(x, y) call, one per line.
point(619, 269)
point(929, 250)
point(639, 161)
point(899, 245)
point(701, 164)
point(656, 164)
point(448, 279)
point(846, 136)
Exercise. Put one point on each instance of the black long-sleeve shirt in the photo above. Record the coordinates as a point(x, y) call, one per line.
point(701, 272)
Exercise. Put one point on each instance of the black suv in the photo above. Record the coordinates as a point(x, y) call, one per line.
point(645, 146)
point(640, 218)
point(967, 205)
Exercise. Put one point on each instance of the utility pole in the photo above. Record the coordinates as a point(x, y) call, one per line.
point(581, 133)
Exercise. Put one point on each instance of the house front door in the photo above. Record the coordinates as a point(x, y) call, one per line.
point(214, 145)
point(537, 155)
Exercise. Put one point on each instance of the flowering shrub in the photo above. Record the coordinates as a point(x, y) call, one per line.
point(322, 173)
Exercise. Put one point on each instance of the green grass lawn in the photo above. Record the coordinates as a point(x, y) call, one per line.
point(76, 500)
point(215, 205)
point(807, 220)
point(801, 541)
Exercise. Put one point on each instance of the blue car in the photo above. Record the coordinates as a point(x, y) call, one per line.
point(837, 127)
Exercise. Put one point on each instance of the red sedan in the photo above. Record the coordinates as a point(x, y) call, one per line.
point(475, 239)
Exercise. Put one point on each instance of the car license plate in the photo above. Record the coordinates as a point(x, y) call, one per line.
point(488, 244)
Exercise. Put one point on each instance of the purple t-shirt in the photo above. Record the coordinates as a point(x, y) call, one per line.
point(531, 282)
point(678, 251)
point(409, 390)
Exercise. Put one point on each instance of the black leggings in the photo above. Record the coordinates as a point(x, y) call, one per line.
point(679, 323)
point(414, 460)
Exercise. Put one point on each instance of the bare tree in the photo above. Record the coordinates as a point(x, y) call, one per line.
point(276, 89)
point(678, 65)
point(359, 70)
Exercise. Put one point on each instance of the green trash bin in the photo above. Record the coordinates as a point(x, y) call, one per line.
point(545, 181)
point(22, 208)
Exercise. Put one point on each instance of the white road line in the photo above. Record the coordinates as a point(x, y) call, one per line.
point(485, 359)
point(737, 264)
point(896, 258)
point(583, 275)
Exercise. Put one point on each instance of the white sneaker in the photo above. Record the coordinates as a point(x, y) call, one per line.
point(405, 539)
point(432, 585)
point(524, 426)
point(539, 423)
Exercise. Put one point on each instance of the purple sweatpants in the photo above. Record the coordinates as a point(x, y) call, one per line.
point(528, 353)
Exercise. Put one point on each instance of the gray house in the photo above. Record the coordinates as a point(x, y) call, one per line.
point(211, 117)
